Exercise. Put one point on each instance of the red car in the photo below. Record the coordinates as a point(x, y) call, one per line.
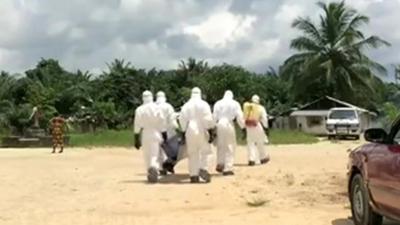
point(374, 177)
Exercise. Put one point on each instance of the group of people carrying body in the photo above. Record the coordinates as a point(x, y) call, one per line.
point(199, 127)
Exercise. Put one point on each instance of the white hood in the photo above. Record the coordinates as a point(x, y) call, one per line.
point(342, 122)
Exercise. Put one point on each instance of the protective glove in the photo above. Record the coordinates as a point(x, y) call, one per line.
point(181, 135)
point(183, 138)
point(138, 142)
point(244, 134)
point(211, 136)
point(266, 130)
point(164, 136)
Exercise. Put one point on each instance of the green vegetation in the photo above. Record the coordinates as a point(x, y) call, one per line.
point(284, 137)
point(330, 59)
point(279, 137)
point(392, 112)
point(123, 138)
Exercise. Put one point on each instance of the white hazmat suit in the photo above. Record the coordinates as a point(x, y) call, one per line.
point(195, 120)
point(168, 113)
point(149, 122)
point(226, 111)
point(256, 137)
point(170, 124)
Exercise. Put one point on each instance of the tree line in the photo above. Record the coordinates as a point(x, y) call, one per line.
point(330, 59)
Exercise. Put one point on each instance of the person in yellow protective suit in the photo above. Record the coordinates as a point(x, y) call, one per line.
point(256, 121)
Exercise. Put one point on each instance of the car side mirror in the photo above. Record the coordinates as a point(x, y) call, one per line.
point(375, 135)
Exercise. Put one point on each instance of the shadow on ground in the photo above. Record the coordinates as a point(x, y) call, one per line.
point(241, 165)
point(247, 165)
point(170, 179)
point(350, 222)
point(175, 179)
point(342, 222)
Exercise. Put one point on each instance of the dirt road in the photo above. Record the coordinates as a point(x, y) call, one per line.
point(302, 185)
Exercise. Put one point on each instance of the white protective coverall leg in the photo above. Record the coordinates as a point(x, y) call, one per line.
point(195, 120)
point(256, 137)
point(170, 123)
point(149, 122)
point(226, 111)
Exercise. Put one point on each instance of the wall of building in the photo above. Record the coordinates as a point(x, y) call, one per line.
point(285, 123)
point(366, 121)
point(304, 125)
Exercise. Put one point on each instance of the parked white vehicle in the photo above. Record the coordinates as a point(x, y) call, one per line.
point(343, 122)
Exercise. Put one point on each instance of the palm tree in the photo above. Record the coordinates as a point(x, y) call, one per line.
point(118, 66)
point(7, 83)
point(193, 67)
point(188, 71)
point(330, 58)
point(397, 73)
point(83, 76)
point(5, 103)
point(272, 72)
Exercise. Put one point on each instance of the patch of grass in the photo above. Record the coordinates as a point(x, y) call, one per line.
point(4, 132)
point(285, 137)
point(257, 202)
point(122, 138)
point(2, 135)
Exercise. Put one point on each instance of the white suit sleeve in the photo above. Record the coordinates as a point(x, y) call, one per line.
point(208, 117)
point(183, 120)
point(162, 121)
point(215, 112)
point(172, 117)
point(239, 116)
point(137, 121)
point(264, 117)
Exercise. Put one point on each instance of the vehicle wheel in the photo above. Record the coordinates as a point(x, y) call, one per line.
point(357, 137)
point(360, 208)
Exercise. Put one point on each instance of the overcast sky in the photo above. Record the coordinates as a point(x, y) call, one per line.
point(86, 34)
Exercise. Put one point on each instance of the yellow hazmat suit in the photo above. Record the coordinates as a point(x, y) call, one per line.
point(256, 119)
point(252, 114)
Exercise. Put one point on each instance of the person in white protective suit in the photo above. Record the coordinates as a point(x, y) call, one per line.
point(170, 125)
point(150, 130)
point(226, 112)
point(256, 129)
point(197, 123)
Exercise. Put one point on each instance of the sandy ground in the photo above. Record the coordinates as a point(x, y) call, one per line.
point(302, 185)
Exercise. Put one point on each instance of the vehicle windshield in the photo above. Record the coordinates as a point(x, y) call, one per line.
point(343, 114)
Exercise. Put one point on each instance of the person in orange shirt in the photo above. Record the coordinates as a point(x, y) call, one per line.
point(57, 131)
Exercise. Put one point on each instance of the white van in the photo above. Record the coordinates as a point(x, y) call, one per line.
point(343, 122)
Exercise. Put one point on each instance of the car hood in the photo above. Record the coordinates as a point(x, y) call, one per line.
point(364, 148)
point(342, 121)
